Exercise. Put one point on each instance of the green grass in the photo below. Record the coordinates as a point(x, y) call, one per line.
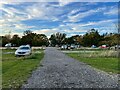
point(106, 62)
point(16, 70)
point(88, 49)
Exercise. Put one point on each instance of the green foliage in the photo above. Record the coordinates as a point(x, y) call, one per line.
point(5, 40)
point(0, 41)
point(91, 38)
point(15, 40)
point(34, 39)
point(72, 40)
point(27, 32)
point(28, 38)
point(57, 38)
point(40, 39)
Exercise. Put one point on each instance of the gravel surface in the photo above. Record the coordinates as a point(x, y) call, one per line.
point(60, 71)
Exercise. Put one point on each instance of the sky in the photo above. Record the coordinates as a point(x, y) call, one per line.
point(72, 18)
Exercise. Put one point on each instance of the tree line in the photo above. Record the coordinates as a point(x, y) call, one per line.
point(92, 37)
point(28, 37)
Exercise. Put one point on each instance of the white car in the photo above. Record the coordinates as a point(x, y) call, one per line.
point(23, 50)
point(8, 45)
point(63, 47)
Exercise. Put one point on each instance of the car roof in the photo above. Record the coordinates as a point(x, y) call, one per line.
point(24, 46)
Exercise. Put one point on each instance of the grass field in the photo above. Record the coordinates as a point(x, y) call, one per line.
point(105, 60)
point(16, 70)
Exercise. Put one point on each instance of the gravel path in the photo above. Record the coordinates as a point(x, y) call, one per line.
point(60, 71)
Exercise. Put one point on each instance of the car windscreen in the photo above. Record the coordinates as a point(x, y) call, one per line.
point(25, 48)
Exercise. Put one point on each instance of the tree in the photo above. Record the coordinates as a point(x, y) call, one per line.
point(72, 40)
point(27, 39)
point(40, 39)
point(0, 41)
point(79, 40)
point(16, 40)
point(57, 38)
point(34, 39)
point(27, 32)
point(6, 39)
point(91, 38)
point(110, 39)
point(116, 39)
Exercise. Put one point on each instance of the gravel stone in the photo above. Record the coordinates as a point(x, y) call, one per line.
point(60, 71)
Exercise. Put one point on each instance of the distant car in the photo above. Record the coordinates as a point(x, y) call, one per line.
point(93, 46)
point(104, 46)
point(8, 45)
point(72, 46)
point(23, 50)
point(117, 47)
point(63, 47)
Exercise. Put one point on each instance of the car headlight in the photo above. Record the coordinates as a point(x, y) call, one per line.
point(16, 52)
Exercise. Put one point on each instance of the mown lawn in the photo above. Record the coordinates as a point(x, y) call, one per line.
point(16, 70)
point(107, 62)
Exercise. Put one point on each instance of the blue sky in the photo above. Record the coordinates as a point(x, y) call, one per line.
point(66, 17)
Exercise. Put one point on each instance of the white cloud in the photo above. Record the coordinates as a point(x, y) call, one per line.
point(65, 2)
point(12, 33)
point(73, 28)
point(14, 27)
point(46, 31)
point(112, 11)
point(43, 12)
point(102, 22)
point(35, 11)
point(22, 26)
point(111, 29)
point(76, 10)
point(81, 15)
point(84, 27)
point(10, 2)
point(13, 15)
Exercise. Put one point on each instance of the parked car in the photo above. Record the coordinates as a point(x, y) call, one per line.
point(104, 47)
point(93, 46)
point(8, 45)
point(72, 46)
point(23, 50)
point(117, 47)
point(63, 47)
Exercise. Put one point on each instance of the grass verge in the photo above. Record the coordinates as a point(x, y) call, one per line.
point(16, 70)
point(105, 63)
